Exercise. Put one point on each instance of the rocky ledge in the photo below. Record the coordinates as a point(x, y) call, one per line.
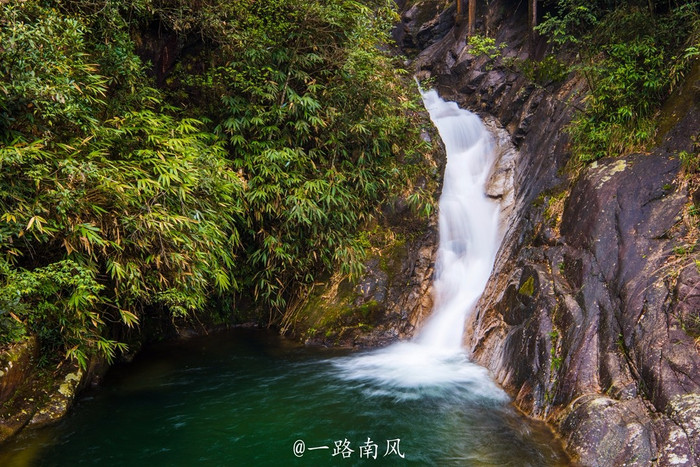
point(33, 396)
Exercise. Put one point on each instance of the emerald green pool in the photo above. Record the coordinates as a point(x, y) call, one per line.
point(248, 397)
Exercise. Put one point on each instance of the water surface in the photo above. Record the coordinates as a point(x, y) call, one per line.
point(246, 397)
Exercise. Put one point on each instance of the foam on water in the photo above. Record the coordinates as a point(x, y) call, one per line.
point(407, 371)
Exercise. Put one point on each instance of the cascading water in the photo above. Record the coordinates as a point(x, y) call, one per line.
point(469, 240)
point(468, 222)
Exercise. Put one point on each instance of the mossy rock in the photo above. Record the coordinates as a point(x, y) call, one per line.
point(16, 363)
point(342, 309)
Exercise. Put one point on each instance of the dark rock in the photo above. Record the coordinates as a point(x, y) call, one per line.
point(390, 299)
point(424, 24)
point(16, 414)
point(37, 397)
point(17, 368)
point(606, 432)
point(473, 81)
point(463, 64)
point(16, 364)
point(373, 285)
point(435, 29)
point(688, 304)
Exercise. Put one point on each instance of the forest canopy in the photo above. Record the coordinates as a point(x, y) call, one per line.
point(159, 157)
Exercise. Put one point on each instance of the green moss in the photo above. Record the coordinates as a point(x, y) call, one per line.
point(390, 259)
point(554, 211)
point(556, 361)
point(528, 287)
point(367, 309)
point(539, 201)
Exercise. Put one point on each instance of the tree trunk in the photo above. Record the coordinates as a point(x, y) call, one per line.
point(472, 17)
point(532, 22)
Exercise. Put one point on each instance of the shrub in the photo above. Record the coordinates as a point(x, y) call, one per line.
point(631, 56)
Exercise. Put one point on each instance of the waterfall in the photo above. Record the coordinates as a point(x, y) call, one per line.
point(469, 239)
point(468, 222)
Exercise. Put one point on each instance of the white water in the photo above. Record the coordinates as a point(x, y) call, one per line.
point(469, 240)
point(468, 223)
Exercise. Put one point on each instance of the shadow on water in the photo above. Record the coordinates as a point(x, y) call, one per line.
point(245, 397)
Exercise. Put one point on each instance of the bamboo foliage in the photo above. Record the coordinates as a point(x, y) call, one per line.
point(118, 207)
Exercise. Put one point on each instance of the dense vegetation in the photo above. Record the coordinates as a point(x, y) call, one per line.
point(633, 54)
point(274, 136)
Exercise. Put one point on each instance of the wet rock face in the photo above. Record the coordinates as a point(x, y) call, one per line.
point(619, 221)
point(34, 397)
point(37, 398)
point(623, 338)
point(16, 363)
point(609, 432)
point(583, 320)
point(423, 23)
point(16, 366)
point(589, 317)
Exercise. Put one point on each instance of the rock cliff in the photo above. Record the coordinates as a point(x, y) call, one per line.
point(590, 317)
